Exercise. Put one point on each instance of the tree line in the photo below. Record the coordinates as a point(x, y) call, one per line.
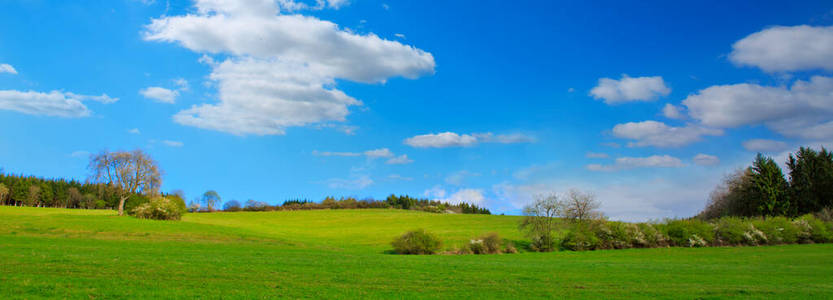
point(762, 189)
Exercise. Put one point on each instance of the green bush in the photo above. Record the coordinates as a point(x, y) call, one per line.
point(160, 208)
point(733, 231)
point(417, 242)
point(510, 248)
point(689, 233)
point(580, 238)
point(613, 235)
point(653, 237)
point(487, 244)
point(820, 231)
point(778, 230)
point(134, 201)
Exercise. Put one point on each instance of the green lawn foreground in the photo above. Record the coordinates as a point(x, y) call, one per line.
point(58, 253)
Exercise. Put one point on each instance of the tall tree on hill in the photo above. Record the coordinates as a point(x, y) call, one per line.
point(210, 199)
point(131, 172)
point(811, 180)
point(770, 187)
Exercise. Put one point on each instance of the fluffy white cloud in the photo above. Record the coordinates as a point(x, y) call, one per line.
point(596, 155)
point(451, 139)
point(327, 153)
point(470, 196)
point(282, 68)
point(763, 145)
point(159, 94)
point(783, 48)
point(54, 103)
point(705, 160)
point(7, 68)
point(630, 89)
point(624, 163)
point(399, 160)
point(134, 131)
point(170, 143)
point(357, 183)
point(377, 153)
point(805, 110)
point(672, 111)
point(653, 133)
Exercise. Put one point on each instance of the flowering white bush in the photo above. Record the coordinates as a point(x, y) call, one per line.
point(160, 208)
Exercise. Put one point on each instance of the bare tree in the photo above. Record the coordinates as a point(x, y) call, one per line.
point(129, 172)
point(580, 206)
point(540, 221)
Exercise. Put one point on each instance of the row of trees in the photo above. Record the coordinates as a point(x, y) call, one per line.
point(210, 199)
point(19, 190)
point(544, 216)
point(763, 190)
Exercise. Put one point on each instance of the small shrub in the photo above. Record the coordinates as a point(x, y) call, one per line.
point(580, 238)
point(732, 231)
point(612, 235)
point(819, 231)
point(681, 232)
point(417, 242)
point(778, 230)
point(653, 237)
point(825, 214)
point(510, 248)
point(160, 208)
point(487, 244)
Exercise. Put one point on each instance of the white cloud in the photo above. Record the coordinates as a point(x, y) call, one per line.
point(653, 133)
point(377, 153)
point(764, 145)
point(182, 84)
point(470, 196)
point(596, 155)
point(134, 131)
point(159, 94)
point(783, 49)
point(399, 160)
point(282, 69)
point(399, 177)
point(624, 163)
point(357, 183)
point(170, 143)
point(705, 160)
point(54, 103)
point(630, 89)
point(327, 153)
point(451, 139)
point(399, 35)
point(672, 111)
point(7, 68)
point(805, 110)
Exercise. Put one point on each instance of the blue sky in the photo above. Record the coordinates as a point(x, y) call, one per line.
point(647, 105)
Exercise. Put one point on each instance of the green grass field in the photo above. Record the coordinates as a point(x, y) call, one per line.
point(57, 253)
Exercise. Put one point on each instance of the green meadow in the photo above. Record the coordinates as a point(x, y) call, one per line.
point(94, 254)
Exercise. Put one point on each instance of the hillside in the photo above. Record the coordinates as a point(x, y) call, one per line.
point(343, 253)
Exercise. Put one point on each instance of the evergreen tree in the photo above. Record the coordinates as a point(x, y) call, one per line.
point(811, 180)
point(770, 187)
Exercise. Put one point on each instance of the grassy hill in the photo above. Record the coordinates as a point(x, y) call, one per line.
point(343, 254)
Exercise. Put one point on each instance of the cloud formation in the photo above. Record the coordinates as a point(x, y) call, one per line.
point(54, 103)
point(279, 70)
point(804, 110)
point(451, 139)
point(786, 48)
point(629, 89)
point(764, 145)
point(625, 163)
point(159, 94)
point(658, 134)
point(705, 160)
point(7, 68)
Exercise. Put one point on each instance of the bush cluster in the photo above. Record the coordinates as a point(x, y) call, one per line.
point(417, 241)
point(392, 201)
point(160, 208)
point(726, 231)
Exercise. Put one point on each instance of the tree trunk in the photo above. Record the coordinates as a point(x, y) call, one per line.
point(121, 205)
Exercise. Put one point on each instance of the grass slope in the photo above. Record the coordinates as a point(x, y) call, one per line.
point(48, 253)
